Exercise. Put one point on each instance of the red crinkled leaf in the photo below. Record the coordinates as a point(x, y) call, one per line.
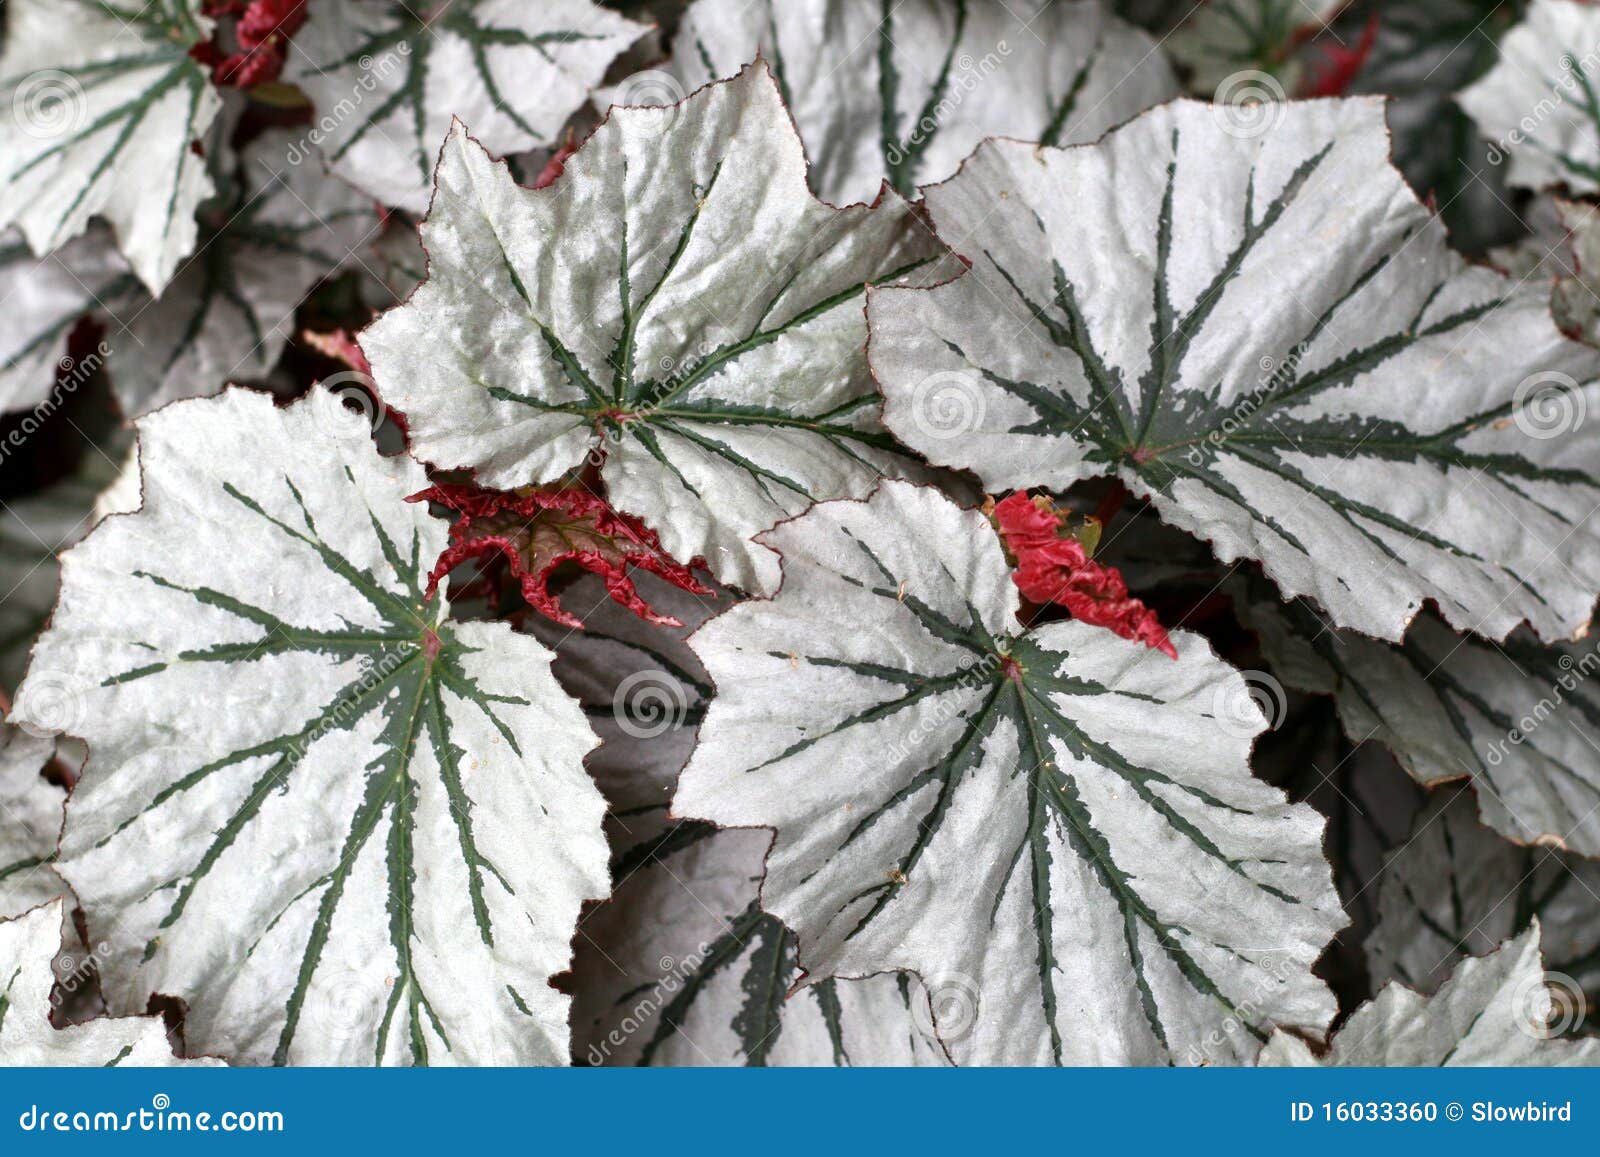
point(534, 531)
point(1339, 65)
point(557, 164)
point(1054, 567)
point(262, 33)
point(339, 345)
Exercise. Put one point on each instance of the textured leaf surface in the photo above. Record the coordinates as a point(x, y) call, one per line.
point(1234, 326)
point(343, 829)
point(44, 299)
point(683, 968)
point(105, 101)
point(30, 821)
point(1518, 718)
point(679, 302)
point(27, 945)
point(1492, 1011)
point(389, 76)
point(1539, 104)
point(1063, 819)
point(226, 316)
point(1455, 889)
point(904, 91)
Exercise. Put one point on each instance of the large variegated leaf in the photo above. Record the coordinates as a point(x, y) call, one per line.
point(1518, 718)
point(1453, 888)
point(27, 945)
point(1494, 1010)
point(44, 298)
point(677, 302)
point(104, 102)
point(230, 310)
point(1062, 820)
point(342, 828)
point(30, 821)
point(682, 967)
point(1234, 324)
point(1537, 106)
point(903, 92)
point(386, 77)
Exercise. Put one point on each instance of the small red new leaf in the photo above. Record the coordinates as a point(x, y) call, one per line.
point(1053, 566)
point(536, 530)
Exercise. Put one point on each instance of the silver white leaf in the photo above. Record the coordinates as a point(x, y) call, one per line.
point(105, 103)
point(386, 81)
point(27, 945)
point(1231, 319)
point(342, 828)
point(679, 303)
point(1452, 888)
point(904, 92)
point(30, 821)
point(1061, 820)
point(1492, 1011)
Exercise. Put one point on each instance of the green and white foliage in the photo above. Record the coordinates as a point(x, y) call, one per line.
point(27, 945)
point(339, 826)
point(1516, 717)
point(1227, 43)
point(1453, 888)
point(105, 101)
point(30, 821)
point(1063, 820)
point(677, 302)
point(386, 81)
point(642, 689)
point(903, 92)
point(44, 299)
point(277, 231)
point(1231, 318)
point(1538, 105)
point(1494, 1010)
point(682, 967)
